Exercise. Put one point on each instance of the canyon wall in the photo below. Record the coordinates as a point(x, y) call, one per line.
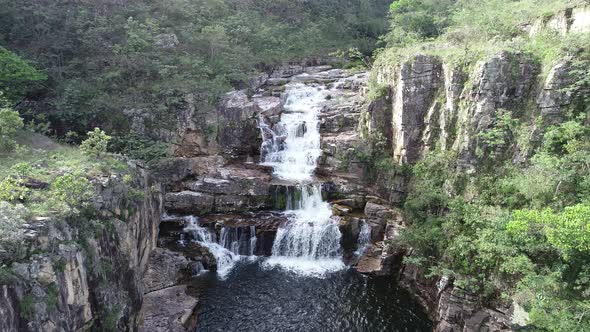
point(427, 103)
point(86, 274)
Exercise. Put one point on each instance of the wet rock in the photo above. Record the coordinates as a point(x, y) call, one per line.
point(378, 261)
point(239, 203)
point(169, 309)
point(340, 210)
point(238, 134)
point(165, 269)
point(189, 202)
point(350, 230)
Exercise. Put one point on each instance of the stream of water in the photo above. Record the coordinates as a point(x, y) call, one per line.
point(304, 285)
point(309, 244)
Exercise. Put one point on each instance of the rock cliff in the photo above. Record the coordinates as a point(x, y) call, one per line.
point(86, 273)
point(428, 103)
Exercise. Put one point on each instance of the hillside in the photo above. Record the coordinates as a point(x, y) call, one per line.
point(489, 102)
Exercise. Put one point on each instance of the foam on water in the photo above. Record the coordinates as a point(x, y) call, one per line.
point(309, 244)
point(294, 148)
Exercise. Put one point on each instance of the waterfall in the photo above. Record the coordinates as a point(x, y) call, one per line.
point(293, 147)
point(252, 241)
point(225, 259)
point(364, 239)
point(309, 244)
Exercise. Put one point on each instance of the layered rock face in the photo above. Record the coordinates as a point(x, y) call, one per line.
point(437, 105)
point(426, 105)
point(80, 275)
point(575, 19)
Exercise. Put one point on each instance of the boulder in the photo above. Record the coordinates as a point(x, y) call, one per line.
point(165, 269)
point(168, 309)
point(238, 133)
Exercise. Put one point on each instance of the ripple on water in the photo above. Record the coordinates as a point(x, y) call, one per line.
point(256, 298)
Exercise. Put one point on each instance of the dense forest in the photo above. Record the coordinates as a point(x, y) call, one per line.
point(103, 58)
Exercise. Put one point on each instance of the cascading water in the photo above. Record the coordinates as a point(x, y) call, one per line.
point(310, 243)
point(252, 241)
point(364, 239)
point(294, 146)
point(225, 259)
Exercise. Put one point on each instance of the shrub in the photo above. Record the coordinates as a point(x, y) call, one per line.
point(96, 144)
point(27, 306)
point(73, 189)
point(10, 124)
point(12, 217)
point(13, 189)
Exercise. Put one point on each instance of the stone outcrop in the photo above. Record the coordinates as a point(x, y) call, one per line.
point(432, 104)
point(225, 189)
point(238, 134)
point(413, 96)
point(165, 269)
point(167, 303)
point(570, 20)
point(553, 99)
point(450, 307)
point(84, 274)
point(169, 309)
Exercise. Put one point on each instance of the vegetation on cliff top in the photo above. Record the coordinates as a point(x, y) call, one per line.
point(104, 58)
point(506, 232)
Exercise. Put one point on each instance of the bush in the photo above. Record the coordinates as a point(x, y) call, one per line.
point(73, 189)
point(12, 217)
point(13, 189)
point(96, 144)
point(10, 124)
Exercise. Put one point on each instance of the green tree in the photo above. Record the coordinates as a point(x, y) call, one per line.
point(16, 75)
point(10, 124)
point(96, 144)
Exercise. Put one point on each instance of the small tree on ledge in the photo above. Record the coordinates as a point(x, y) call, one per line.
point(96, 144)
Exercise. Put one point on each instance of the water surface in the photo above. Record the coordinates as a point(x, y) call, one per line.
point(255, 298)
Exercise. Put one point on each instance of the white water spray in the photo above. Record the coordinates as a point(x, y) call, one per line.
point(364, 239)
point(225, 258)
point(310, 243)
point(294, 146)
